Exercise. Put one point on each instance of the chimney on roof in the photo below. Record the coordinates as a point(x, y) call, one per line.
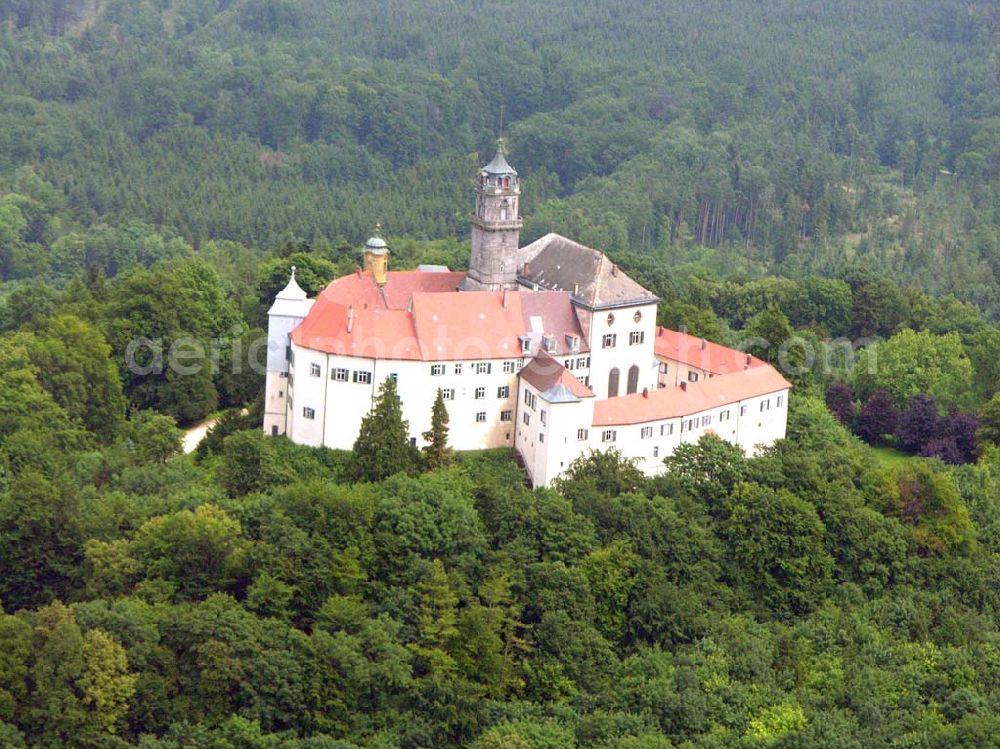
point(704, 344)
point(350, 318)
point(645, 392)
point(684, 385)
point(659, 331)
point(614, 269)
point(576, 289)
point(747, 365)
point(525, 272)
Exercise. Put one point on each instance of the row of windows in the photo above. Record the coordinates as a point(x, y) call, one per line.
point(530, 399)
point(310, 413)
point(582, 363)
point(688, 425)
point(481, 367)
point(635, 338)
point(502, 392)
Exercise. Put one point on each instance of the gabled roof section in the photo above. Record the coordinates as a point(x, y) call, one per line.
point(360, 290)
point(551, 313)
point(557, 263)
point(701, 354)
point(553, 381)
point(693, 398)
point(470, 325)
point(372, 333)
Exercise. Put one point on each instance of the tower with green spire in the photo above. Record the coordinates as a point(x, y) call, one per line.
point(496, 227)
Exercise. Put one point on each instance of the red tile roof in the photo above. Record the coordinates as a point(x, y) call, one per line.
point(673, 402)
point(543, 373)
point(551, 313)
point(359, 289)
point(419, 315)
point(468, 325)
point(701, 354)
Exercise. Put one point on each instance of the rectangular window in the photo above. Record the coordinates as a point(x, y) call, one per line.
point(724, 415)
point(647, 432)
point(541, 436)
point(284, 375)
point(609, 340)
point(541, 416)
point(765, 405)
point(706, 420)
point(527, 397)
point(692, 376)
point(656, 452)
point(525, 344)
point(581, 435)
point(480, 393)
point(309, 413)
point(636, 337)
point(781, 400)
point(506, 416)
point(339, 375)
point(663, 367)
point(503, 391)
point(568, 364)
point(394, 377)
point(362, 378)
point(666, 430)
point(483, 367)
point(526, 418)
point(480, 417)
point(609, 435)
point(458, 367)
point(743, 410)
point(314, 370)
point(581, 363)
point(508, 367)
point(448, 394)
point(437, 370)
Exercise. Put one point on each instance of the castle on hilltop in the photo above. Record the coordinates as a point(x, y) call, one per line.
point(548, 348)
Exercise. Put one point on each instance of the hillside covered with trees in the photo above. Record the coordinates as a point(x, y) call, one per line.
point(823, 176)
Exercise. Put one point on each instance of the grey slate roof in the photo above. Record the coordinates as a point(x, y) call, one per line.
point(499, 164)
point(559, 394)
point(557, 263)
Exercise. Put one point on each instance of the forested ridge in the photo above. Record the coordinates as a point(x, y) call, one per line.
point(822, 176)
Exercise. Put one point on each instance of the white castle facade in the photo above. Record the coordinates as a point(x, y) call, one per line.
point(549, 349)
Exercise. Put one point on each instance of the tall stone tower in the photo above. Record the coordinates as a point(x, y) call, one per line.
point(496, 228)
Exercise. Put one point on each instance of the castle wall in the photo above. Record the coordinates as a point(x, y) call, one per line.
point(623, 355)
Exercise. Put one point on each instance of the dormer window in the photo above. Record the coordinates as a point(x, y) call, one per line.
point(573, 341)
point(525, 344)
point(549, 343)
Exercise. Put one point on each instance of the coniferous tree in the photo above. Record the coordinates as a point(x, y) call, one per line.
point(437, 454)
point(383, 447)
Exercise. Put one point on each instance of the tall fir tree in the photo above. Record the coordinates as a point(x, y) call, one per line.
point(437, 454)
point(383, 447)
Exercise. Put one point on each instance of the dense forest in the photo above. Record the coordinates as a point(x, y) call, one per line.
point(822, 176)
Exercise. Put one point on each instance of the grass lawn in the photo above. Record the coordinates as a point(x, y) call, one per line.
point(890, 456)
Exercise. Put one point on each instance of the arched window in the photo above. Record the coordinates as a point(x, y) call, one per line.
point(613, 376)
point(633, 378)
